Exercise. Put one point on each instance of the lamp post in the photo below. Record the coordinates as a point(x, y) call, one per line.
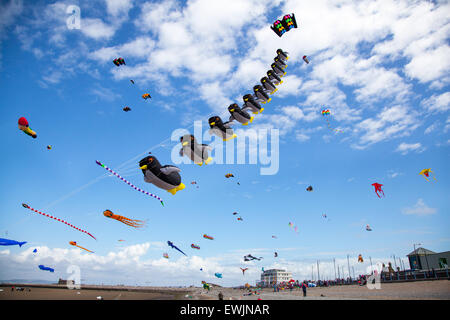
point(348, 263)
point(371, 267)
point(334, 262)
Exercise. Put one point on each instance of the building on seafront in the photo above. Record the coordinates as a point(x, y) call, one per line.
point(274, 276)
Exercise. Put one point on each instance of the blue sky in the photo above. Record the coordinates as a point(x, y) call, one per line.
point(383, 76)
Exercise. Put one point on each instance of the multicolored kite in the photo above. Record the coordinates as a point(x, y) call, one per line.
point(73, 243)
point(24, 126)
point(426, 173)
point(193, 246)
point(208, 237)
point(60, 220)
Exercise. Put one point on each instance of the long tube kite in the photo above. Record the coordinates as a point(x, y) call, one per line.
point(208, 237)
point(129, 183)
point(8, 242)
point(60, 220)
point(74, 243)
point(125, 220)
point(194, 246)
point(42, 267)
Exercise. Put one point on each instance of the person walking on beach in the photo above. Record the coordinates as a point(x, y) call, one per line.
point(304, 289)
point(220, 296)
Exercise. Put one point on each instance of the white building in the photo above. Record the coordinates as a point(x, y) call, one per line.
point(274, 276)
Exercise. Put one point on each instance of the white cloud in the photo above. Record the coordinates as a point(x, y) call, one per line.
point(96, 29)
point(419, 209)
point(405, 148)
point(437, 103)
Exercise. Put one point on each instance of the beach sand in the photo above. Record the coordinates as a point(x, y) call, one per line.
point(421, 290)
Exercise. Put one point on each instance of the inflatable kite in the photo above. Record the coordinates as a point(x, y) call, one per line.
point(268, 85)
point(236, 113)
point(251, 104)
point(275, 254)
point(287, 23)
point(198, 153)
point(360, 258)
point(243, 270)
point(170, 243)
point(129, 222)
point(280, 63)
point(261, 94)
point(249, 257)
point(310, 188)
point(146, 96)
point(42, 267)
point(274, 237)
point(60, 220)
point(132, 81)
point(305, 58)
point(240, 219)
point(208, 237)
point(229, 175)
point(119, 61)
point(49, 147)
point(426, 173)
point(165, 255)
point(7, 242)
point(278, 71)
point(129, 183)
point(24, 126)
point(193, 246)
point(282, 55)
point(377, 187)
point(126, 109)
point(368, 228)
point(221, 129)
point(274, 78)
point(35, 250)
point(73, 243)
point(218, 275)
point(165, 177)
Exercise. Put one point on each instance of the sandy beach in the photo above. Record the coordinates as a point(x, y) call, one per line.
point(422, 290)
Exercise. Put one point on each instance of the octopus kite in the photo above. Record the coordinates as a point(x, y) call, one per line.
point(75, 244)
point(377, 187)
point(426, 173)
point(127, 221)
point(360, 258)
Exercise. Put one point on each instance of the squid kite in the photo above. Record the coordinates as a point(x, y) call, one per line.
point(208, 237)
point(360, 258)
point(193, 246)
point(125, 220)
point(74, 243)
point(377, 187)
point(24, 126)
point(294, 227)
point(60, 220)
point(243, 270)
point(170, 243)
point(426, 173)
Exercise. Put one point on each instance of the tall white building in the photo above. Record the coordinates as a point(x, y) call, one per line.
point(274, 276)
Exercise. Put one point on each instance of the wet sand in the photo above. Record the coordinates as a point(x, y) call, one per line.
point(422, 290)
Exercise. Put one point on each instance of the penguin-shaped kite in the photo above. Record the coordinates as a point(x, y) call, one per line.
point(198, 153)
point(278, 71)
point(280, 63)
point(268, 85)
point(274, 77)
point(260, 94)
point(165, 177)
point(282, 55)
point(250, 103)
point(239, 115)
point(221, 129)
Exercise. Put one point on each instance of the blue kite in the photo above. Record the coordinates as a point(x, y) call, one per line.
point(218, 275)
point(35, 250)
point(170, 243)
point(42, 267)
point(7, 242)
